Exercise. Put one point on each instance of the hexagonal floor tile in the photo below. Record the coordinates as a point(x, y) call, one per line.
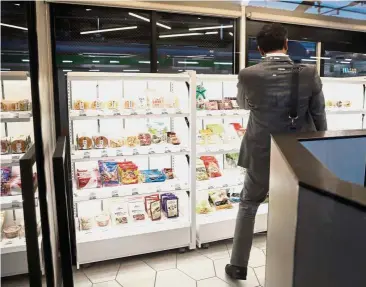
point(173, 277)
point(212, 282)
point(215, 251)
point(195, 265)
point(102, 271)
point(260, 240)
point(261, 274)
point(80, 279)
point(256, 258)
point(19, 280)
point(107, 284)
point(220, 272)
point(136, 274)
point(161, 261)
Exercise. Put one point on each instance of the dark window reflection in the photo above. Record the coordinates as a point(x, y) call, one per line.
point(344, 64)
point(14, 37)
point(299, 52)
point(190, 42)
point(102, 39)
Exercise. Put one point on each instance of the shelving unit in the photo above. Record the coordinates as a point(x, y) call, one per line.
point(15, 86)
point(123, 121)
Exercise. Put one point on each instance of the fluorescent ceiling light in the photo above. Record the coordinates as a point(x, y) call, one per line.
point(93, 70)
point(180, 70)
point(211, 27)
point(13, 26)
point(66, 70)
point(223, 63)
point(187, 63)
point(308, 60)
point(148, 20)
point(144, 62)
point(209, 33)
point(108, 30)
point(17, 4)
point(323, 58)
point(95, 61)
point(164, 26)
point(348, 59)
point(25, 60)
point(114, 62)
point(135, 70)
point(231, 34)
point(5, 69)
point(88, 9)
point(180, 35)
point(66, 61)
point(345, 62)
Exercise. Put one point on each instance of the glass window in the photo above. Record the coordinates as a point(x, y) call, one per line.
point(344, 64)
point(299, 52)
point(90, 38)
point(191, 42)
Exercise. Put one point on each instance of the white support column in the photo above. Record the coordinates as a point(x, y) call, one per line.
point(243, 37)
point(318, 56)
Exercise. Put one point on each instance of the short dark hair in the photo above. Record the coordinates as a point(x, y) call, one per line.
point(272, 37)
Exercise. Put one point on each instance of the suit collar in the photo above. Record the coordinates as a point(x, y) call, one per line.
point(277, 58)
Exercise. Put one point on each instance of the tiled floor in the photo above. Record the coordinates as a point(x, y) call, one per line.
point(198, 268)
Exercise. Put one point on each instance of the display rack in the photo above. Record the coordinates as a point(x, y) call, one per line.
point(123, 106)
point(16, 122)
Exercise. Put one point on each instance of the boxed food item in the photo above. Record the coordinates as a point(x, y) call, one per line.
point(170, 205)
point(119, 213)
point(148, 199)
point(137, 210)
point(152, 175)
point(158, 131)
point(169, 174)
point(156, 102)
point(212, 166)
point(20, 144)
point(108, 172)
point(5, 144)
point(128, 172)
point(84, 142)
point(145, 139)
point(100, 142)
point(82, 105)
point(132, 141)
point(172, 138)
point(87, 179)
point(155, 210)
point(211, 105)
point(219, 199)
point(225, 105)
point(23, 105)
point(116, 142)
point(201, 172)
point(102, 219)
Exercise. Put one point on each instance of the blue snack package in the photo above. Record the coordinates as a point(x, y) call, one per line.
point(152, 175)
point(5, 173)
point(108, 172)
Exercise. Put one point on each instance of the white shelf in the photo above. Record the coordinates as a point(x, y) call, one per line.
point(15, 117)
point(217, 149)
point(15, 245)
point(222, 113)
point(172, 185)
point(11, 159)
point(120, 153)
point(229, 179)
point(14, 201)
point(138, 116)
point(344, 111)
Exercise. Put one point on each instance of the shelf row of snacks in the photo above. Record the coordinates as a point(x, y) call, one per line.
point(15, 145)
point(11, 184)
point(16, 106)
point(219, 134)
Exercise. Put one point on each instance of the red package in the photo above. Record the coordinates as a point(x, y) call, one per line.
point(211, 105)
point(212, 166)
point(148, 199)
point(239, 129)
point(145, 139)
point(88, 179)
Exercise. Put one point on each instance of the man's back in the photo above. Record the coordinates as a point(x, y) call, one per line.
point(265, 89)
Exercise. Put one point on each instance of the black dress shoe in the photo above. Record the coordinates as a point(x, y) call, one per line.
point(235, 272)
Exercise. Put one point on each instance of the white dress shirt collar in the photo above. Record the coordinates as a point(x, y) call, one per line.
point(276, 55)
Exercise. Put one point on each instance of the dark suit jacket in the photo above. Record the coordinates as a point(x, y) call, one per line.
point(265, 90)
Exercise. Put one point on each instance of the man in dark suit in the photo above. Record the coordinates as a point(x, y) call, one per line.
point(265, 90)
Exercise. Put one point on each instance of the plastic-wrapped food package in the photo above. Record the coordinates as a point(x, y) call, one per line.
point(158, 131)
point(219, 199)
point(169, 174)
point(152, 175)
point(137, 210)
point(201, 172)
point(119, 213)
point(100, 141)
point(109, 172)
point(128, 172)
point(88, 179)
point(84, 142)
point(145, 139)
point(5, 144)
point(211, 165)
point(170, 205)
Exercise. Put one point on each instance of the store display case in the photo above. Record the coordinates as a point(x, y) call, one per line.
point(345, 102)
point(131, 151)
point(20, 214)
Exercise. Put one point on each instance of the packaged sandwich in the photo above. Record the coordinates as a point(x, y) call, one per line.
point(82, 105)
point(112, 105)
point(158, 131)
point(20, 144)
point(98, 105)
point(132, 141)
point(201, 172)
point(225, 105)
point(108, 172)
point(129, 104)
point(86, 222)
point(116, 142)
point(219, 199)
point(172, 138)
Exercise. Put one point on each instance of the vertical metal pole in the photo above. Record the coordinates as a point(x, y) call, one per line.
point(243, 38)
point(318, 56)
point(153, 44)
point(3, 97)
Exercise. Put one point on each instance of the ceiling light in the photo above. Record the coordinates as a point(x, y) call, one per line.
point(66, 61)
point(95, 61)
point(323, 58)
point(345, 62)
point(348, 59)
point(66, 70)
point(144, 62)
point(199, 18)
point(25, 60)
point(211, 27)
point(164, 26)
point(231, 34)
point(5, 69)
point(308, 60)
point(114, 62)
point(223, 63)
point(93, 70)
point(88, 9)
point(182, 70)
point(136, 70)
point(148, 20)
point(187, 63)
point(180, 35)
point(17, 4)
point(108, 30)
point(13, 26)
point(211, 33)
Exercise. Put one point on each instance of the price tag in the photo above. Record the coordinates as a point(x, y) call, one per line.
point(92, 196)
point(9, 242)
point(178, 111)
point(133, 112)
point(210, 187)
point(89, 232)
point(115, 193)
point(183, 149)
point(167, 150)
point(236, 114)
point(116, 113)
point(158, 189)
point(164, 112)
point(16, 115)
point(119, 152)
point(223, 114)
point(149, 112)
point(207, 149)
point(135, 151)
point(177, 186)
point(16, 204)
point(134, 191)
point(104, 153)
point(86, 154)
point(221, 150)
point(82, 113)
point(151, 151)
point(15, 158)
point(208, 114)
point(225, 185)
